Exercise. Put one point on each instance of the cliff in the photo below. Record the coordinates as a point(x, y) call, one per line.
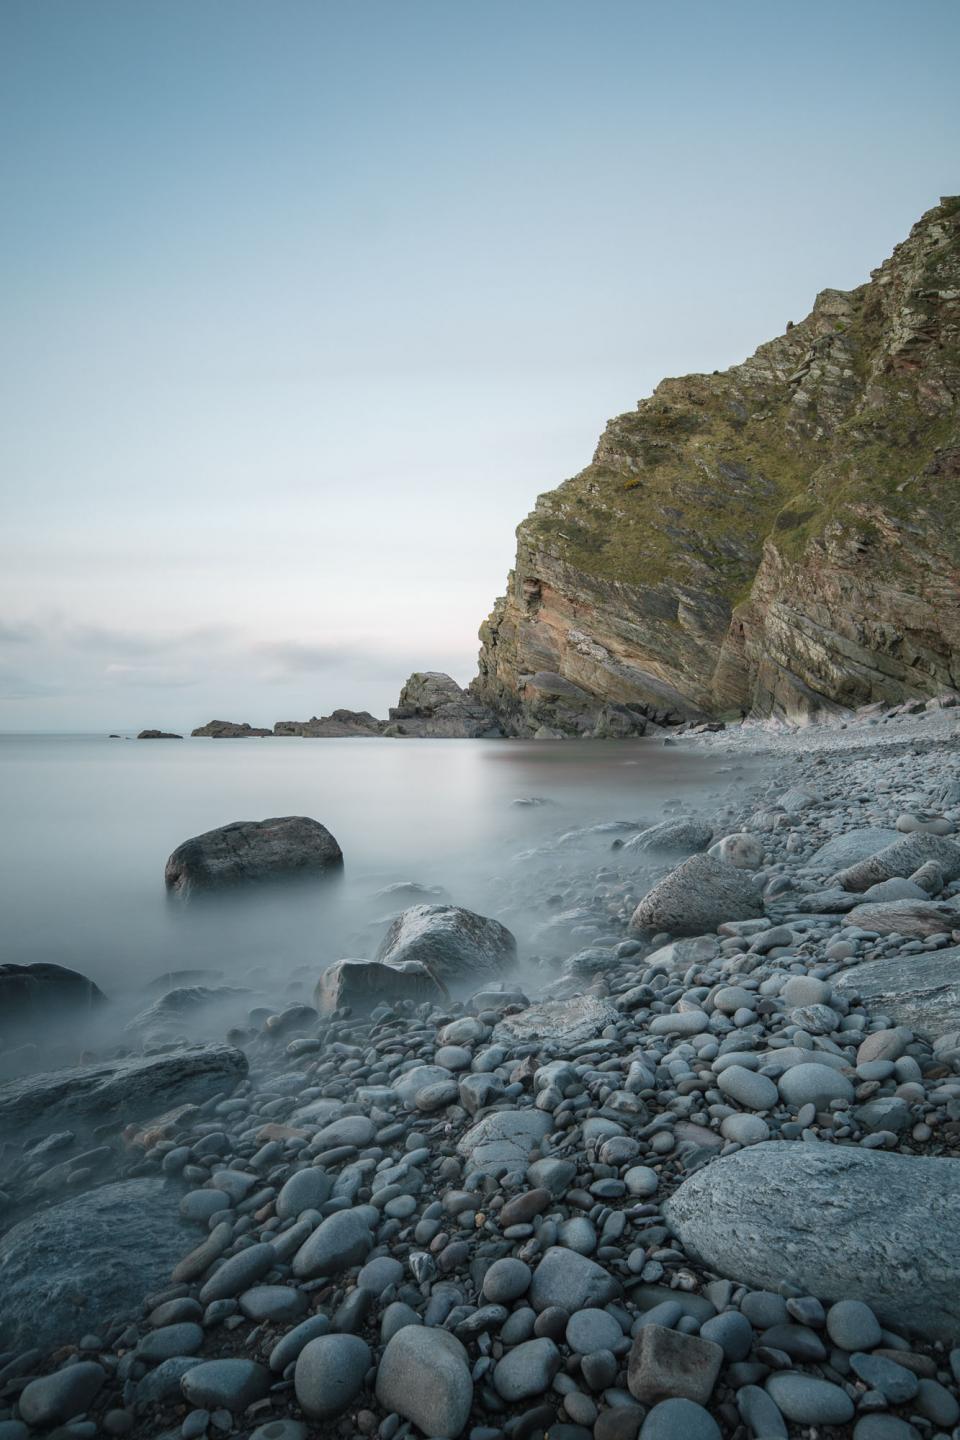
point(779, 538)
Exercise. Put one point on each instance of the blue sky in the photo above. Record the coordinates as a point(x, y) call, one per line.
point(304, 303)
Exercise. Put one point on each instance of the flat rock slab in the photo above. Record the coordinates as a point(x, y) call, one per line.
point(132, 1088)
point(558, 1023)
point(454, 944)
point(252, 852)
point(916, 918)
point(699, 895)
point(919, 991)
point(837, 1221)
point(69, 1270)
point(903, 858)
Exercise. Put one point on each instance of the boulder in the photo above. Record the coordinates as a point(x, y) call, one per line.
point(175, 1012)
point(250, 852)
point(158, 735)
point(557, 1024)
point(70, 1270)
point(363, 984)
point(920, 991)
point(342, 724)
point(904, 857)
point(130, 1089)
point(838, 1222)
point(424, 1376)
point(916, 918)
point(504, 1139)
point(452, 943)
point(684, 836)
point(698, 896)
point(32, 993)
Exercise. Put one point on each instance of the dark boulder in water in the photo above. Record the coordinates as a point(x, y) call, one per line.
point(33, 993)
point(252, 852)
point(154, 735)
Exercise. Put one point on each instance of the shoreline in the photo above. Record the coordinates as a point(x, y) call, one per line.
point(555, 1193)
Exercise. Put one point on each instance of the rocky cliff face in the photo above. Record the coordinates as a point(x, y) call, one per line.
point(777, 538)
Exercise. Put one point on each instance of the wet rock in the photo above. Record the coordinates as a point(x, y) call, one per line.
point(66, 1271)
point(62, 1395)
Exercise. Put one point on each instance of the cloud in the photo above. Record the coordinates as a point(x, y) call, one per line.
point(288, 659)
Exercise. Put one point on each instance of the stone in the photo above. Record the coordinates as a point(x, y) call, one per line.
point(238, 1273)
point(920, 992)
point(698, 896)
point(252, 852)
point(329, 1374)
point(742, 850)
point(571, 1281)
point(271, 1305)
point(452, 943)
point(808, 1401)
point(364, 984)
point(424, 1376)
point(506, 1280)
point(747, 1088)
point(667, 1364)
point(838, 1222)
point(814, 1084)
point(504, 1139)
point(679, 1419)
point(31, 994)
point(67, 1270)
point(852, 1325)
point(229, 730)
point(341, 1240)
point(557, 1024)
point(432, 704)
point(62, 1395)
point(230, 1384)
point(902, 858)
point(131, 1088)
point(590, 1330)
point(307, 1189)
point(526, 1370)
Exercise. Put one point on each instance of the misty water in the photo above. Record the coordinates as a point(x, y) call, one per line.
point(90, 822)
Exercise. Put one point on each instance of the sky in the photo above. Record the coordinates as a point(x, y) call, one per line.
point(303, 303)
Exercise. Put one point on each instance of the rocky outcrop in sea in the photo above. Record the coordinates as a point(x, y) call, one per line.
point(690, 1184)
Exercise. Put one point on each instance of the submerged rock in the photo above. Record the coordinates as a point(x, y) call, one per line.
point(452, 943)
point(251, 852)
point(839, 1222)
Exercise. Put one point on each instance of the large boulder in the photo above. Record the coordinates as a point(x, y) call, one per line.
point(454, 944)
point(433, 705)
point(129, 1089)
point(903, 857)
point(919, 991)
point(697, 897)
point(40, 993)
point(70, 1270)
point(916, 918)
point(251, 852)
point(836, 1221)
point(363, 984)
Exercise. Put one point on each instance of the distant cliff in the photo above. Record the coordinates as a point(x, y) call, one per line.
point(777, 538)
